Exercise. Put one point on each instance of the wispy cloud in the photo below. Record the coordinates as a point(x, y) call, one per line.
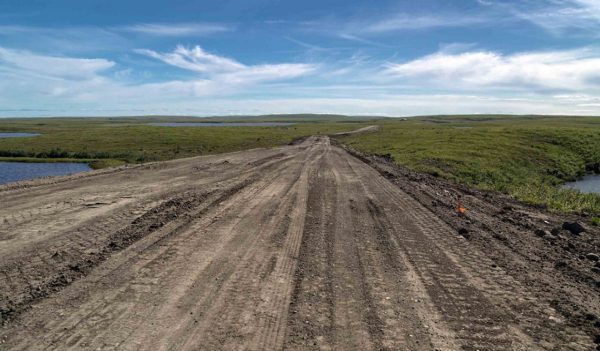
point(27, 77)
point(90, 84)
point(65, 39)
point(92, 39)
point(195, 59)
point(558, 17)
point(398, 22)
point(361, 40)
point(177, 29)
point(403, 22)
point(67, 68)
point(310, 47)
point(225, 69)
point(368, 29)
point(571, 70)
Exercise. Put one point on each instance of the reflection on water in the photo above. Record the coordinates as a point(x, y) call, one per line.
point(588, 184)
point(16, 171)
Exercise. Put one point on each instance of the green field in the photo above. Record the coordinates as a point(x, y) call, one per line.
point(528, 157)
point(104, 142)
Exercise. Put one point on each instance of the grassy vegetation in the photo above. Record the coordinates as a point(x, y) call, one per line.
point(104, 142)
point(299, 118)
point(527, 157)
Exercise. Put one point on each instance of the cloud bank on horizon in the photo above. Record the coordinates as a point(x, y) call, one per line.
point(258, 56)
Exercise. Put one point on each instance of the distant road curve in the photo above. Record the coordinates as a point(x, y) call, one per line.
point(368, 129)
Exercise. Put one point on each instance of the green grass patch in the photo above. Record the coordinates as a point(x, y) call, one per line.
point(111, 141)
point(528, 157)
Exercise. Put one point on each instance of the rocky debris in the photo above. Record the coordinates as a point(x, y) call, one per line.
point(573, 227)
point(57, 255)
point(560, 264)
point(500, 237)
point(592, 257)
point(546, 235)
point(91, 251)
point(556, 230)
point(464, 232)
point(388, 157)
point(569, 247)
point(74, 267)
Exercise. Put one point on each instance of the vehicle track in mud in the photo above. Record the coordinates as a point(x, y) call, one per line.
point(303, 247)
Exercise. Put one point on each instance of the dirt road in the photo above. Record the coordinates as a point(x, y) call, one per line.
point(303, 247)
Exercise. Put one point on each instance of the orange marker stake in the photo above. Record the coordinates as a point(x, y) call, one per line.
point(459, 207)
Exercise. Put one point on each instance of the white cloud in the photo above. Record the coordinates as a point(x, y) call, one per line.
point(32, 82)
point(577, 17)
point(27, 78)
point(177, 29)
point(92, 39)
point(410, 22)
point(574, 70)
point(195, 59)
point(227, 70)
point(67, 39)
point(560, 17)
point(268, 72)
point(52, 66)
point(364, 29)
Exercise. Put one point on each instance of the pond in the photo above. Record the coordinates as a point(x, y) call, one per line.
point(17, 135)
point(588, 184)
point(223, 124)
point(16, 171)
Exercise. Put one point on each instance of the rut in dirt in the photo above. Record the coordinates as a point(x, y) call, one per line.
point(303, 247)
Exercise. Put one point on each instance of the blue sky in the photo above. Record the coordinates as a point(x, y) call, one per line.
point(400, 58)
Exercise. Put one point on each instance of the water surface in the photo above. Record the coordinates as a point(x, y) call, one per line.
point(17, 135)
point(588, 184)
point(223, 124)
point(16, 171)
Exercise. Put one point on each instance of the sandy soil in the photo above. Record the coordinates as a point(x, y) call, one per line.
point(304, 247)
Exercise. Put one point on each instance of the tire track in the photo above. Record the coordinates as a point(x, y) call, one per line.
point(299, 248)
point(275, 296)
point(473, 285)
point(310, 316)
point(69, 255)
point(113, 318)
point(392, 320)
